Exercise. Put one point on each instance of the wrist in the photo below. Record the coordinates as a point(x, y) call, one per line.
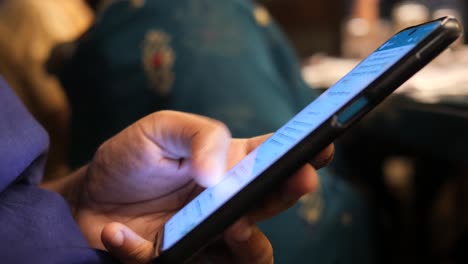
point(71, 187)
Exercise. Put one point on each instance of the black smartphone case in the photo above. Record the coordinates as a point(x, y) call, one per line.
point(269, 180)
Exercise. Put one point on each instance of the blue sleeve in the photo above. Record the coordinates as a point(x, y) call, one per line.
point(36, 225)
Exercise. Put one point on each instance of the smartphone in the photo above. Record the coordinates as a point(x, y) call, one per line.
point(305, 135)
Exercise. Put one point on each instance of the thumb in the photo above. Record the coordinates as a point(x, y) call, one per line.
point(125, 245)
point(203, 141)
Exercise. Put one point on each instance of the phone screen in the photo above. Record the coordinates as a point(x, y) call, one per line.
point(304, 123)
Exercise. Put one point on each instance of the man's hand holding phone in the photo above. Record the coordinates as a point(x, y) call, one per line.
point(141, 177)
point(149, 177)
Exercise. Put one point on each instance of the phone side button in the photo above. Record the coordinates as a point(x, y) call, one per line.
point(428, 48)
point(347, 115)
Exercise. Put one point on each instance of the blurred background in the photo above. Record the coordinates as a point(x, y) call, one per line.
point(396, 191)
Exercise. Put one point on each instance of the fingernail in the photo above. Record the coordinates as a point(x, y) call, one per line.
point(118, 239)
point(212, 174)
point(324, 162)
point(244, 234)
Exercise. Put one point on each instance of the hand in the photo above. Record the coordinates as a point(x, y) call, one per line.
point(141, 177)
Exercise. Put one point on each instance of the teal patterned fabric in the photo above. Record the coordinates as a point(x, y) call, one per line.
point(224, 59)
point(225, 65)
